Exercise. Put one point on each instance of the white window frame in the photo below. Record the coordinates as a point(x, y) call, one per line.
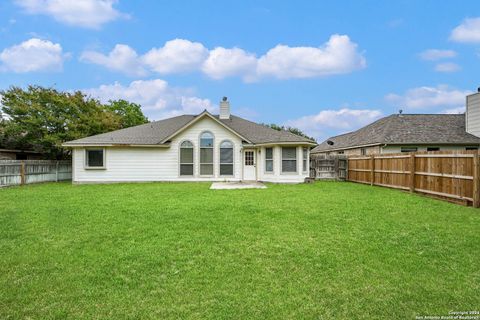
point(408, 149)
point(180, 159)
point(200, 152)
point(220, 160)
point(88, 167)
point(304, 159)
point(266, 159)
point(296, 161)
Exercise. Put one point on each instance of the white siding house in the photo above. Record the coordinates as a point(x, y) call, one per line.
point(152, 152)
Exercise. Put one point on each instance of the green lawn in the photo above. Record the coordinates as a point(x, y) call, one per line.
point(182, 251)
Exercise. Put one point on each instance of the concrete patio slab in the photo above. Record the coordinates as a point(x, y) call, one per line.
point(237, 185)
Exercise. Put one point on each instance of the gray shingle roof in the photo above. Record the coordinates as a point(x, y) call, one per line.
point(154, 133)
point(258, 133)
point(406, 129)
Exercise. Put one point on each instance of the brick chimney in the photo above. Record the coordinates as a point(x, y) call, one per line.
point(224, 108)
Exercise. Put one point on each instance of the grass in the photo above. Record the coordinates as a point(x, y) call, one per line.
point(176, 250)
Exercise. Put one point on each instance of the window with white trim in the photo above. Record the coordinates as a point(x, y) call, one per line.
point(186, 158)
point(305, 159)
point(408, 149)
point(268, 159)
point(289, 159)
point(206, 153)
point(95, 158)
point(226, 158)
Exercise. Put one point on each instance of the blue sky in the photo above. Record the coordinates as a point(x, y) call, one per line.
point(325, 67)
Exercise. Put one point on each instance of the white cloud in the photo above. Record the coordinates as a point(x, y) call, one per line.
point(176, 56)
point(158, 99)
point(447, 67)
point(429, 97)
point(341, 120)
point(33, 55)
point(122, 58)
point(222, 63)
point(339, 55)
point(82, 13)
point(467, 31)
point(436, 54)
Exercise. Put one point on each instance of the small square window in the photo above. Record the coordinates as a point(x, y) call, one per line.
point(94, 158)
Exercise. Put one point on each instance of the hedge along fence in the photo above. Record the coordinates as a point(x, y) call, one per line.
point(19, 172)
point(449, 175)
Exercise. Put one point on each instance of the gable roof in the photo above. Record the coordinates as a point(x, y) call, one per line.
point(405, 129)
point(157, 133)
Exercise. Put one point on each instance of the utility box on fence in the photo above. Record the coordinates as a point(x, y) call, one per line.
point(328, 167)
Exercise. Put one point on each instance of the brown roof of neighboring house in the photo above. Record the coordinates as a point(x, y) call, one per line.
point(154, 133)
point(406, 129)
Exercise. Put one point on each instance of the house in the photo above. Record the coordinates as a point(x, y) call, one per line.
point(14, 154)
point(404, 133)
point(411, 132)
point(203, 147)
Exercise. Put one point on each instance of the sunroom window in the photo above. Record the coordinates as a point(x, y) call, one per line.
point(206, 154)
point(186, 158)
point(268, 159)
point(94, 158)
point(226, 158)
point(305, 159)
point(289, 159)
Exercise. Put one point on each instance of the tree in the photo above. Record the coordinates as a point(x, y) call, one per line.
point(42, 119)
point(296, 131)
point(130, 113)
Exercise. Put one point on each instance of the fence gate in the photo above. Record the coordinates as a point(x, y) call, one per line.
point(328, 167)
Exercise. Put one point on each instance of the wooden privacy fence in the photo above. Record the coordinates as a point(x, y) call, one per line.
point(19, 172)
point(328, 166)
point(445, 174)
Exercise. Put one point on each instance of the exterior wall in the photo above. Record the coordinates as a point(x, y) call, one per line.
point(356, 151)
point(7, 155)
point(13, 155)
point(277, 175)
point(473, 114)
point(397, 149)
point(160, 164)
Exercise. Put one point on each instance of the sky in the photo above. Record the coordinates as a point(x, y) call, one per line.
point(325, 67)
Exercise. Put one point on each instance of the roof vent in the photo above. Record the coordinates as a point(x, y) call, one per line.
point(224, 108)
point(400, 112)
point(478, 89)
point(330, 142)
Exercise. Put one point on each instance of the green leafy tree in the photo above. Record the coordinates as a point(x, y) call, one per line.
point(42, 119)
point(296, 131)
point(130, 113)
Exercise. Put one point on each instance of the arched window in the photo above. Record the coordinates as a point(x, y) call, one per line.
point(226, 158)
point(206, 154)
point(186, 158)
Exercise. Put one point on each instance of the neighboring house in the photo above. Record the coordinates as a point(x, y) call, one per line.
point(13, 154)
point(201, 147)
point(411, 132)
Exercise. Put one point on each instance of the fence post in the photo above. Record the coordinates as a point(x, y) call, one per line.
point(56, 172)
point(22, 172)
point(412, 172)
point(476, 182)
point(372, 170)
